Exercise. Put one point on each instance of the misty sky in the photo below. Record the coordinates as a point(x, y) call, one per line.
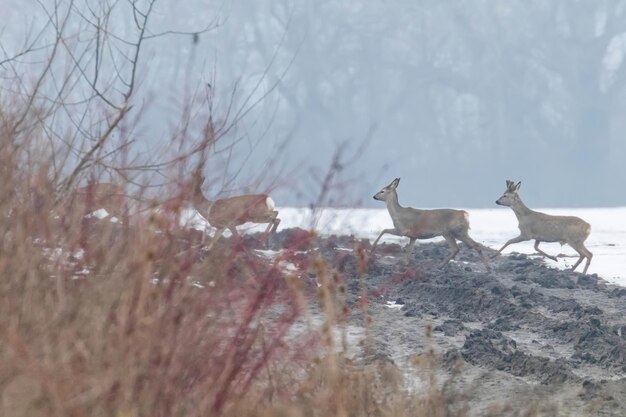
point(454, 97)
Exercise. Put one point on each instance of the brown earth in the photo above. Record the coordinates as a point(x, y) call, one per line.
point(524, 334)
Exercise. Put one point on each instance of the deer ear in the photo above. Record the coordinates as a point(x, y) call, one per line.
point(394, 183)
point(519, 184)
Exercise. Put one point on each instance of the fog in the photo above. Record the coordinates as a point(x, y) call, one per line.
point(454, 97)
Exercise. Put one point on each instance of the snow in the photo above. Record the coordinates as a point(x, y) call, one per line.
point(267, 253)
point(394, 305)
point(190, 218)
point(286, 266)
point(102, 214)
point(98, 214)
point(491, 227)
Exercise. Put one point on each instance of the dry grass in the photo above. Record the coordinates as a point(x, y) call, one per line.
point(135, 318)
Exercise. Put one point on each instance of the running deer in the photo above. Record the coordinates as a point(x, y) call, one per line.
point(228, 213)
point(80, 201)
point(415, 224)
point(546, 228)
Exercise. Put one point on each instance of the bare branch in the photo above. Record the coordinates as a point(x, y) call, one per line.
point(88, 156)
point(39, 83)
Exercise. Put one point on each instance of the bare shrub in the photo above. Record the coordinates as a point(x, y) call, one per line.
point(129, 314)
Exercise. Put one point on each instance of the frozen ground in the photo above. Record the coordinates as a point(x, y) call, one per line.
point(526, 335)
point(491, 227)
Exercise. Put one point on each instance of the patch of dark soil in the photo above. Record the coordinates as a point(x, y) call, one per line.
point(617, 293)
point(465, 301)
point(412, 310)
point(388, 249)
point(344, 262)
point(435, 251)
point(503, 324)
point(601, 392)
point(493, 350)
point(249, 241)
point(551, 278)
point(594, 343)
point(450, 327)
point(343, 241)
point(293, 238)
point(485, 344)
point(591, 282)
point(559, 305)
point(452, 359)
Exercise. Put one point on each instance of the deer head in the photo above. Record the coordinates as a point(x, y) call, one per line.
point(383, 194)
point(510, 194)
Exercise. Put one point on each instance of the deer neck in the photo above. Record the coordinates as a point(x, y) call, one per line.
point(202, 204)
point(520, 209)
point(393, 206)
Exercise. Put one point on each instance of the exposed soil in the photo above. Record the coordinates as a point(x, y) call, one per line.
point(523, 334)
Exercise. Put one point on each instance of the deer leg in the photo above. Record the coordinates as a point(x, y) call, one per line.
point(204, 233)
point(390, 231)
point(266, 234)
point(520, 238)
point(584, 253)
point(275, 221)
point(270, 229)
point(218, 233)
point(409, 248)
point(454, 249)
point(542, 252)
point(476, 246)
point(275, 226)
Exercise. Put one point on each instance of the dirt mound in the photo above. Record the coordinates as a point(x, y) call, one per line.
point(520, 327)
point(525, 320)
point(492, 349)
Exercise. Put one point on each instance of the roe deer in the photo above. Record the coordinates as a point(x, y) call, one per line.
point(228, 213)
point(546, 228)
point(415, 224)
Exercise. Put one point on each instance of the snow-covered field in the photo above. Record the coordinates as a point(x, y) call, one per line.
point(491, 227)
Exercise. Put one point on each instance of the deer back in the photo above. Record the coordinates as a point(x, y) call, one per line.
point(550, 228)
point(255, 208)
point(430, 223)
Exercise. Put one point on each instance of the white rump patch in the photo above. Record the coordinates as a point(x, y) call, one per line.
point(270, 203)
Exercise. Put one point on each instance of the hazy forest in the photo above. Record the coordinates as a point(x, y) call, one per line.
point(434, 91)
point(127, 290)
